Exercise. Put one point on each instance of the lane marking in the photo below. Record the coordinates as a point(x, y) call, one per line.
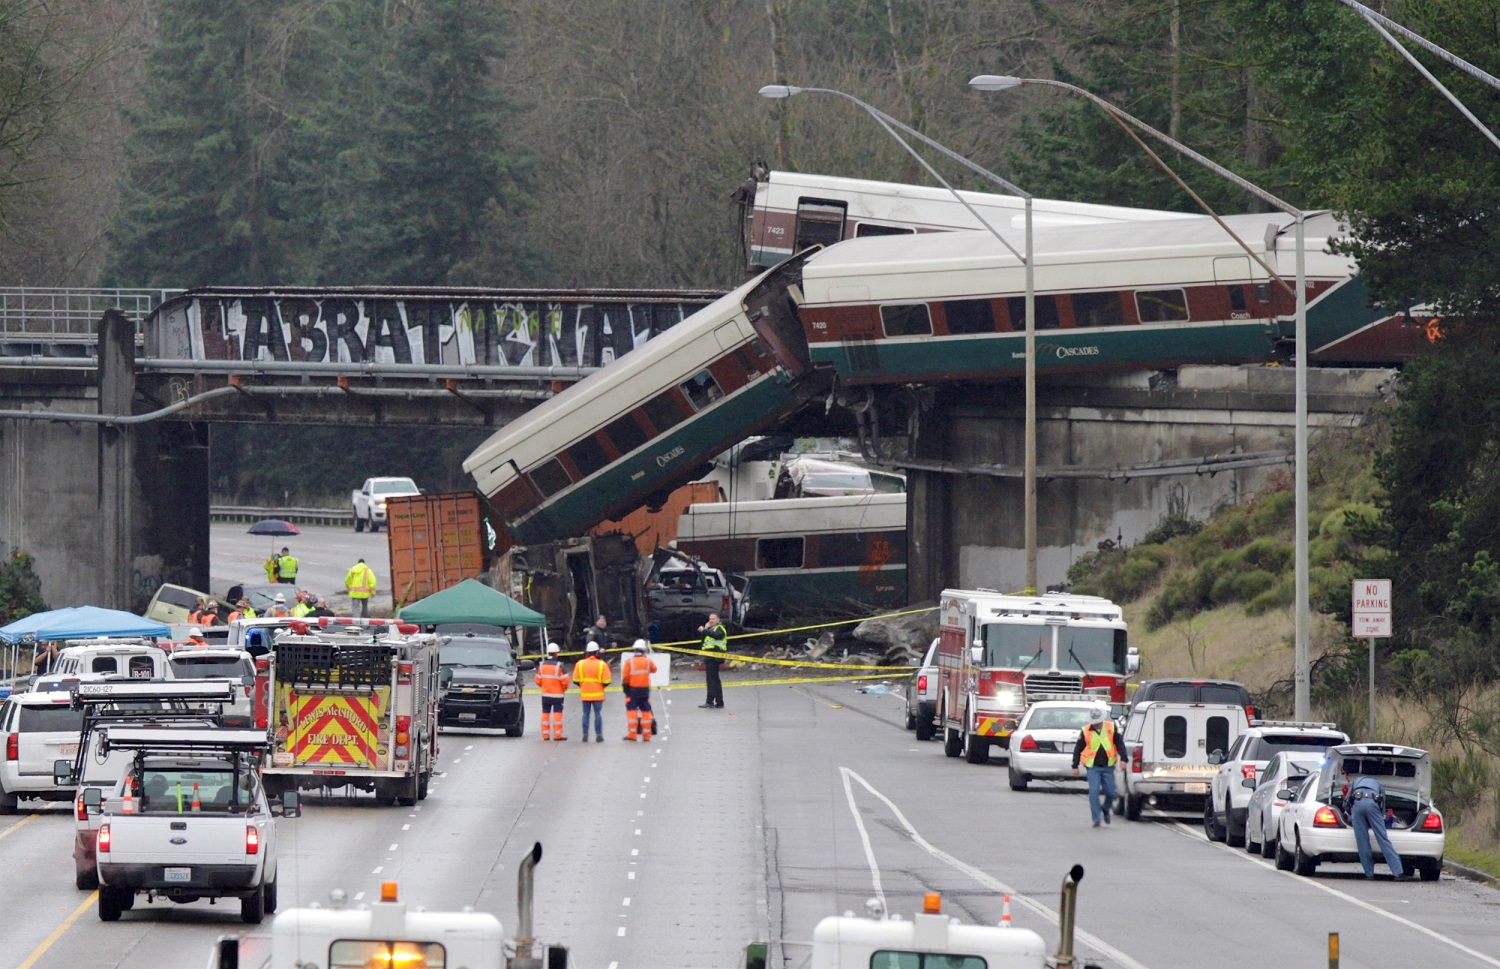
point(391, 848)
point(635, 851)
point(406, 827)
point(630, 875)
point(620, 931)
point(1192, 834)
point(359, 896)
point(378, 869)
point(626, 903)
point(57, 933)
point(12, 829)
point(994, 884)
point(864, 836)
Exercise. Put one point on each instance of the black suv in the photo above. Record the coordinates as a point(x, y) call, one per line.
point(1195, 691)
point(481, 683)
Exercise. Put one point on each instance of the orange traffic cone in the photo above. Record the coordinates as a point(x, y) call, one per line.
point(197, 804)
point(129, 806)
point(1005, 914)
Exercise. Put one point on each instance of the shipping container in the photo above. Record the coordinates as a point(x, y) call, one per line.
point(658, 529)
point(436, 541)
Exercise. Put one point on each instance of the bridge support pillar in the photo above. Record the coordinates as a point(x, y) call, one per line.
point(115, 491)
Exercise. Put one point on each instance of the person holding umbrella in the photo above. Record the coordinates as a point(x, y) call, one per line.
point(277, 568)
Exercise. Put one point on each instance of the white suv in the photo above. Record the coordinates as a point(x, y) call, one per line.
point(37, 729)
point(194, 662)
point(1229, 795)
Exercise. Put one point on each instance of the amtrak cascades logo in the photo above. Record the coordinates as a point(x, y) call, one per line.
point(662, 460)
point(1063, 353)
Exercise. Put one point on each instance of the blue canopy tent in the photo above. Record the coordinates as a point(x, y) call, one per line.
point(81, 622)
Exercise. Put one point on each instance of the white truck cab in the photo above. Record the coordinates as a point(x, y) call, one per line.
point(95, 659)
point(1171, 752)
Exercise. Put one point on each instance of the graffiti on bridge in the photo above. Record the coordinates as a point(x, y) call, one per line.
point(344, 329)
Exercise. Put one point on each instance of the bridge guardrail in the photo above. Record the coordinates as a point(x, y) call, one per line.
point(297, 516)
point(67, 313)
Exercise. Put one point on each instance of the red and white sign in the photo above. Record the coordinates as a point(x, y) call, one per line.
point(1372, 609)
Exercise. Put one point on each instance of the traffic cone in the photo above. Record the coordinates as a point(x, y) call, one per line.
point(1005, 914)
point(197, 805)
point(129, 805)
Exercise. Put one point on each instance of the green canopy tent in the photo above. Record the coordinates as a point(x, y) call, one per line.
point(471, 601)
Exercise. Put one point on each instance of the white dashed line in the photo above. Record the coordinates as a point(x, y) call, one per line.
point(358, 896)
point(637, 830)
point(620, 930)
point(406, 827)
point(635, 851)
point(378, 869)
point(626, 903)
point(392, 848)
point(630, 875)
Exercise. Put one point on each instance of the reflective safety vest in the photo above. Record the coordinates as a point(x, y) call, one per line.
point(552, 678)
point(301, 609)
point(636, 670)
point(717, 638)
point(270, 565)
point(592, 675)
point(286, 567)
point(360, 581)
point(208, 618)
point(1097, 740)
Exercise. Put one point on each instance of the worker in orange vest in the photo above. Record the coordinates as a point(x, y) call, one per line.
point(552, 679)
point(635, 677)
point(592, 675)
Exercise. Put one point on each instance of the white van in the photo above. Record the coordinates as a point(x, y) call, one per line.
point(95, 659)
point(1172, 751)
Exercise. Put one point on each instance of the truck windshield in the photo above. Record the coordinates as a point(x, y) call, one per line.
point(172, 790)
point(396, 486)
point(456, 655)
point(189, 667)
point(1014, 645)
point(1093, 650)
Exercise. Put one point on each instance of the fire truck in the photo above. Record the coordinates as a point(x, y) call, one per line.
point(350, 703)
point(998, 654)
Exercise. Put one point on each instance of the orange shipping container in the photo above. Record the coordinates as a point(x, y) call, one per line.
point(654, 529)
point(436, 541)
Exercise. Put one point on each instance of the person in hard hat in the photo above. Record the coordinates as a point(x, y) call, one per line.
point(715, 639)
point(1098, 750)
point(592, 675)
point(553, 680)
point(210, 614)
point(195, 637)
point(242, 610)
point(286, 567)
point(278, 608)
point(635, 679)
point(361, 585)
point(195, 614)
point(304, 604)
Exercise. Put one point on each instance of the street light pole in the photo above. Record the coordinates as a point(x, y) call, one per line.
point(1302, 692)
point(889, 124)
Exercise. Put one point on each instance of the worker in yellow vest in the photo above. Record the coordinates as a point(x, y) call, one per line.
point(592, 675)
point(361, 585)
point(1098, 750)
point(552, 680)
point(635, 678)
point(286, 567)
point(270, 566)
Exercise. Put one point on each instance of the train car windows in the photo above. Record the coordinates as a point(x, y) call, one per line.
point(664, 411)
point(1045, 308)
point(778, 553)
point(969, 316)
point(820, 222)
point(1098, 309)
point(588, 456)
point(1237, 299)
point(550, 478)
point(909, 319)
point(1162, 306)
point(626, 434)
point(1263, 293)
point(871, 229)
point(702, 390)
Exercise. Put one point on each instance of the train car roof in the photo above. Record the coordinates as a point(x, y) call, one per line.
point(884, 254)
point(584, 396)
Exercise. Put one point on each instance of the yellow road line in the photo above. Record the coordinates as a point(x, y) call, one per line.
point(26, 820)
point(57, 933)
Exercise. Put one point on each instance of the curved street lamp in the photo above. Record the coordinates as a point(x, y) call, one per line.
point(993, 82)
point(890, 125)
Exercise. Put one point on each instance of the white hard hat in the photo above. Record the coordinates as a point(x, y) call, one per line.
point(591, 648)
point(280, 597)
point(553, 648)
point(194, 631)
point(641, 646)
point(1097, 713)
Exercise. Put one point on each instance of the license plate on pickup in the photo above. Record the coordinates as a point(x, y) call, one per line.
point(468, 716)
point(177, 875)
point(1196, 787)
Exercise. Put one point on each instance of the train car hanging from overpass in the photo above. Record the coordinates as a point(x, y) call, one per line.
point(648, 423)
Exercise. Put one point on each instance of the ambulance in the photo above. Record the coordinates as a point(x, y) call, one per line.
point(352, 704)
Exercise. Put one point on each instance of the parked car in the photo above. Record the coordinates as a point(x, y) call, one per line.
point(1195, 691)
point(1042, 746)
point(1229, 794)
point(921, 696)
point(1314, 828)
point(1275, 783)
point(481, 683)
point(1165, 762)
point(368, 500)
point(37, 729)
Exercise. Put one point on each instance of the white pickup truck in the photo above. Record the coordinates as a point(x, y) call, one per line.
point(188, 820)
point(369, 500)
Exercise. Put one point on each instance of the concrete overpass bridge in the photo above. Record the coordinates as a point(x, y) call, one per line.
point(104, 423)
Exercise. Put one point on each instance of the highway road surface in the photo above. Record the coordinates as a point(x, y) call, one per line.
point(796, 802)
point(325, 554)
